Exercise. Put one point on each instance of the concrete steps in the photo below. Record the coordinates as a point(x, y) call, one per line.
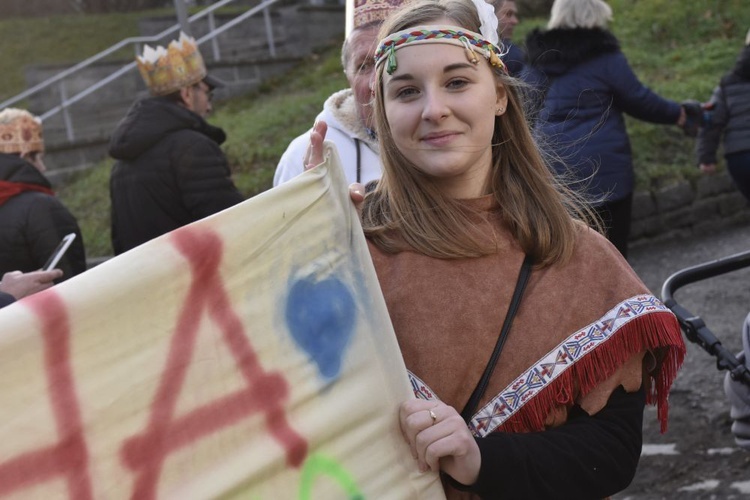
point(243, 62)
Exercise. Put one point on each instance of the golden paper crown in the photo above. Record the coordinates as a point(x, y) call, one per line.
point(20, 132)
point(362, 12)
point(168, 70)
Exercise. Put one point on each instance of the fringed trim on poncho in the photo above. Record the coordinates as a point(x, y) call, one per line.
point(586, 359)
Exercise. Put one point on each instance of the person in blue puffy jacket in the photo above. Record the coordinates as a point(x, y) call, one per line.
point(584, 87)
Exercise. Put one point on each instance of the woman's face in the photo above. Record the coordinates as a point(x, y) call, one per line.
point(441, 110)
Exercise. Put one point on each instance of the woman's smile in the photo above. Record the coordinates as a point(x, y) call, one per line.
point(439, 139)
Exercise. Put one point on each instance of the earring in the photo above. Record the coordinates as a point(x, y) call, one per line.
point(499, 111)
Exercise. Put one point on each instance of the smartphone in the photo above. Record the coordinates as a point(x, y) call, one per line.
point(62, 247)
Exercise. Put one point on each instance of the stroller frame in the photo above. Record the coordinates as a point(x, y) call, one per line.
point(692, 325)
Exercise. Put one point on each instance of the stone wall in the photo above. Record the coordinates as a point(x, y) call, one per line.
point(686, 208)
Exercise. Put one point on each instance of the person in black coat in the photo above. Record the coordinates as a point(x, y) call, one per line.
point(32, 220)
point(170, 170)
point(585, 86)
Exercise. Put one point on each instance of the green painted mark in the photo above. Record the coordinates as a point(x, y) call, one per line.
point(319, 465)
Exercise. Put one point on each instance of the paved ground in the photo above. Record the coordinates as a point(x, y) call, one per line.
point(697, 457)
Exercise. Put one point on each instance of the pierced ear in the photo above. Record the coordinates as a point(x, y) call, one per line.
point(501, 99)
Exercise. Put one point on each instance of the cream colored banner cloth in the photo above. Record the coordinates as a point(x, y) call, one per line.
point(248, 355)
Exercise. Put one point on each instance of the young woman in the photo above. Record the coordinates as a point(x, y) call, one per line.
point(532, 391)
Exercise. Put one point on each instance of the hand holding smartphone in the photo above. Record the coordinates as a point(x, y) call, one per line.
point(62, 247)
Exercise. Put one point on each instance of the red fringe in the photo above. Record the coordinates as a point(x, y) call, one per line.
point(659, 332)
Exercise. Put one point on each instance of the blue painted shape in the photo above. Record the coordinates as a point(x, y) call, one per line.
point(321, 319)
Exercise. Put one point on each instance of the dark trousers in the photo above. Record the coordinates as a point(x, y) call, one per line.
point(738, 165)
point(615, 216)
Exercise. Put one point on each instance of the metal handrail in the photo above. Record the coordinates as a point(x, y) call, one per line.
point(138, 40)
point(130, 66)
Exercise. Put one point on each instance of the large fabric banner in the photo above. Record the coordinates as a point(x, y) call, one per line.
point(248, 355)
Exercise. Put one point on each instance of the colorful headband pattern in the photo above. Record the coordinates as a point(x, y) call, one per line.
point(473, 43)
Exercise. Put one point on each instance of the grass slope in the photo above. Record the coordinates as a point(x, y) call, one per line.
point(58, 39)
point(679, 49)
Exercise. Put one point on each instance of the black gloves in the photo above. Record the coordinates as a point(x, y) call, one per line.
point(695, 118)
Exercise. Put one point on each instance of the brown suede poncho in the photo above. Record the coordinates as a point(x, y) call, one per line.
point(582, 329)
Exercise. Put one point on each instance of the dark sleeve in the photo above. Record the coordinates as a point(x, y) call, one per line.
point(204, 178)
point(48, 221)
point(587, 457)
point(709, 137)
point(6, 299)
point(637, 100)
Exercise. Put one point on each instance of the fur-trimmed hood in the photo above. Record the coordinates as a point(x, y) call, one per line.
point(343, 109)
point(555, 51)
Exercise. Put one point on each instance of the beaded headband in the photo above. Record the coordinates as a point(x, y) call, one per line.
point(473, 43)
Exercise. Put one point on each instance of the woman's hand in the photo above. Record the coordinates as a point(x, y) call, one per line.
point(357, 194)
point(439, 439)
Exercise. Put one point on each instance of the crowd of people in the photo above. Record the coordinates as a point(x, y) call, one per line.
point(495, 184)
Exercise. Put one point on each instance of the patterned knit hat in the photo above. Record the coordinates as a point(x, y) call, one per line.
point(20, 132)
point(362, 12)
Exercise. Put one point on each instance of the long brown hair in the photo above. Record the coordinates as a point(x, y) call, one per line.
point(406, 210)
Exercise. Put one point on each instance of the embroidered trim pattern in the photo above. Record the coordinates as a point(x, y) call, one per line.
point(565, 355)
point(421, 390)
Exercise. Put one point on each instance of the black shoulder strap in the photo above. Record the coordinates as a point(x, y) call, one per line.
point(476, 396)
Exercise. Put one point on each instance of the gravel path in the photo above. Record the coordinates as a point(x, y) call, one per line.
point(697, 458)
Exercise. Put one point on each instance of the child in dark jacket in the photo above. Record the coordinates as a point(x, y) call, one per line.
point(731, 121)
